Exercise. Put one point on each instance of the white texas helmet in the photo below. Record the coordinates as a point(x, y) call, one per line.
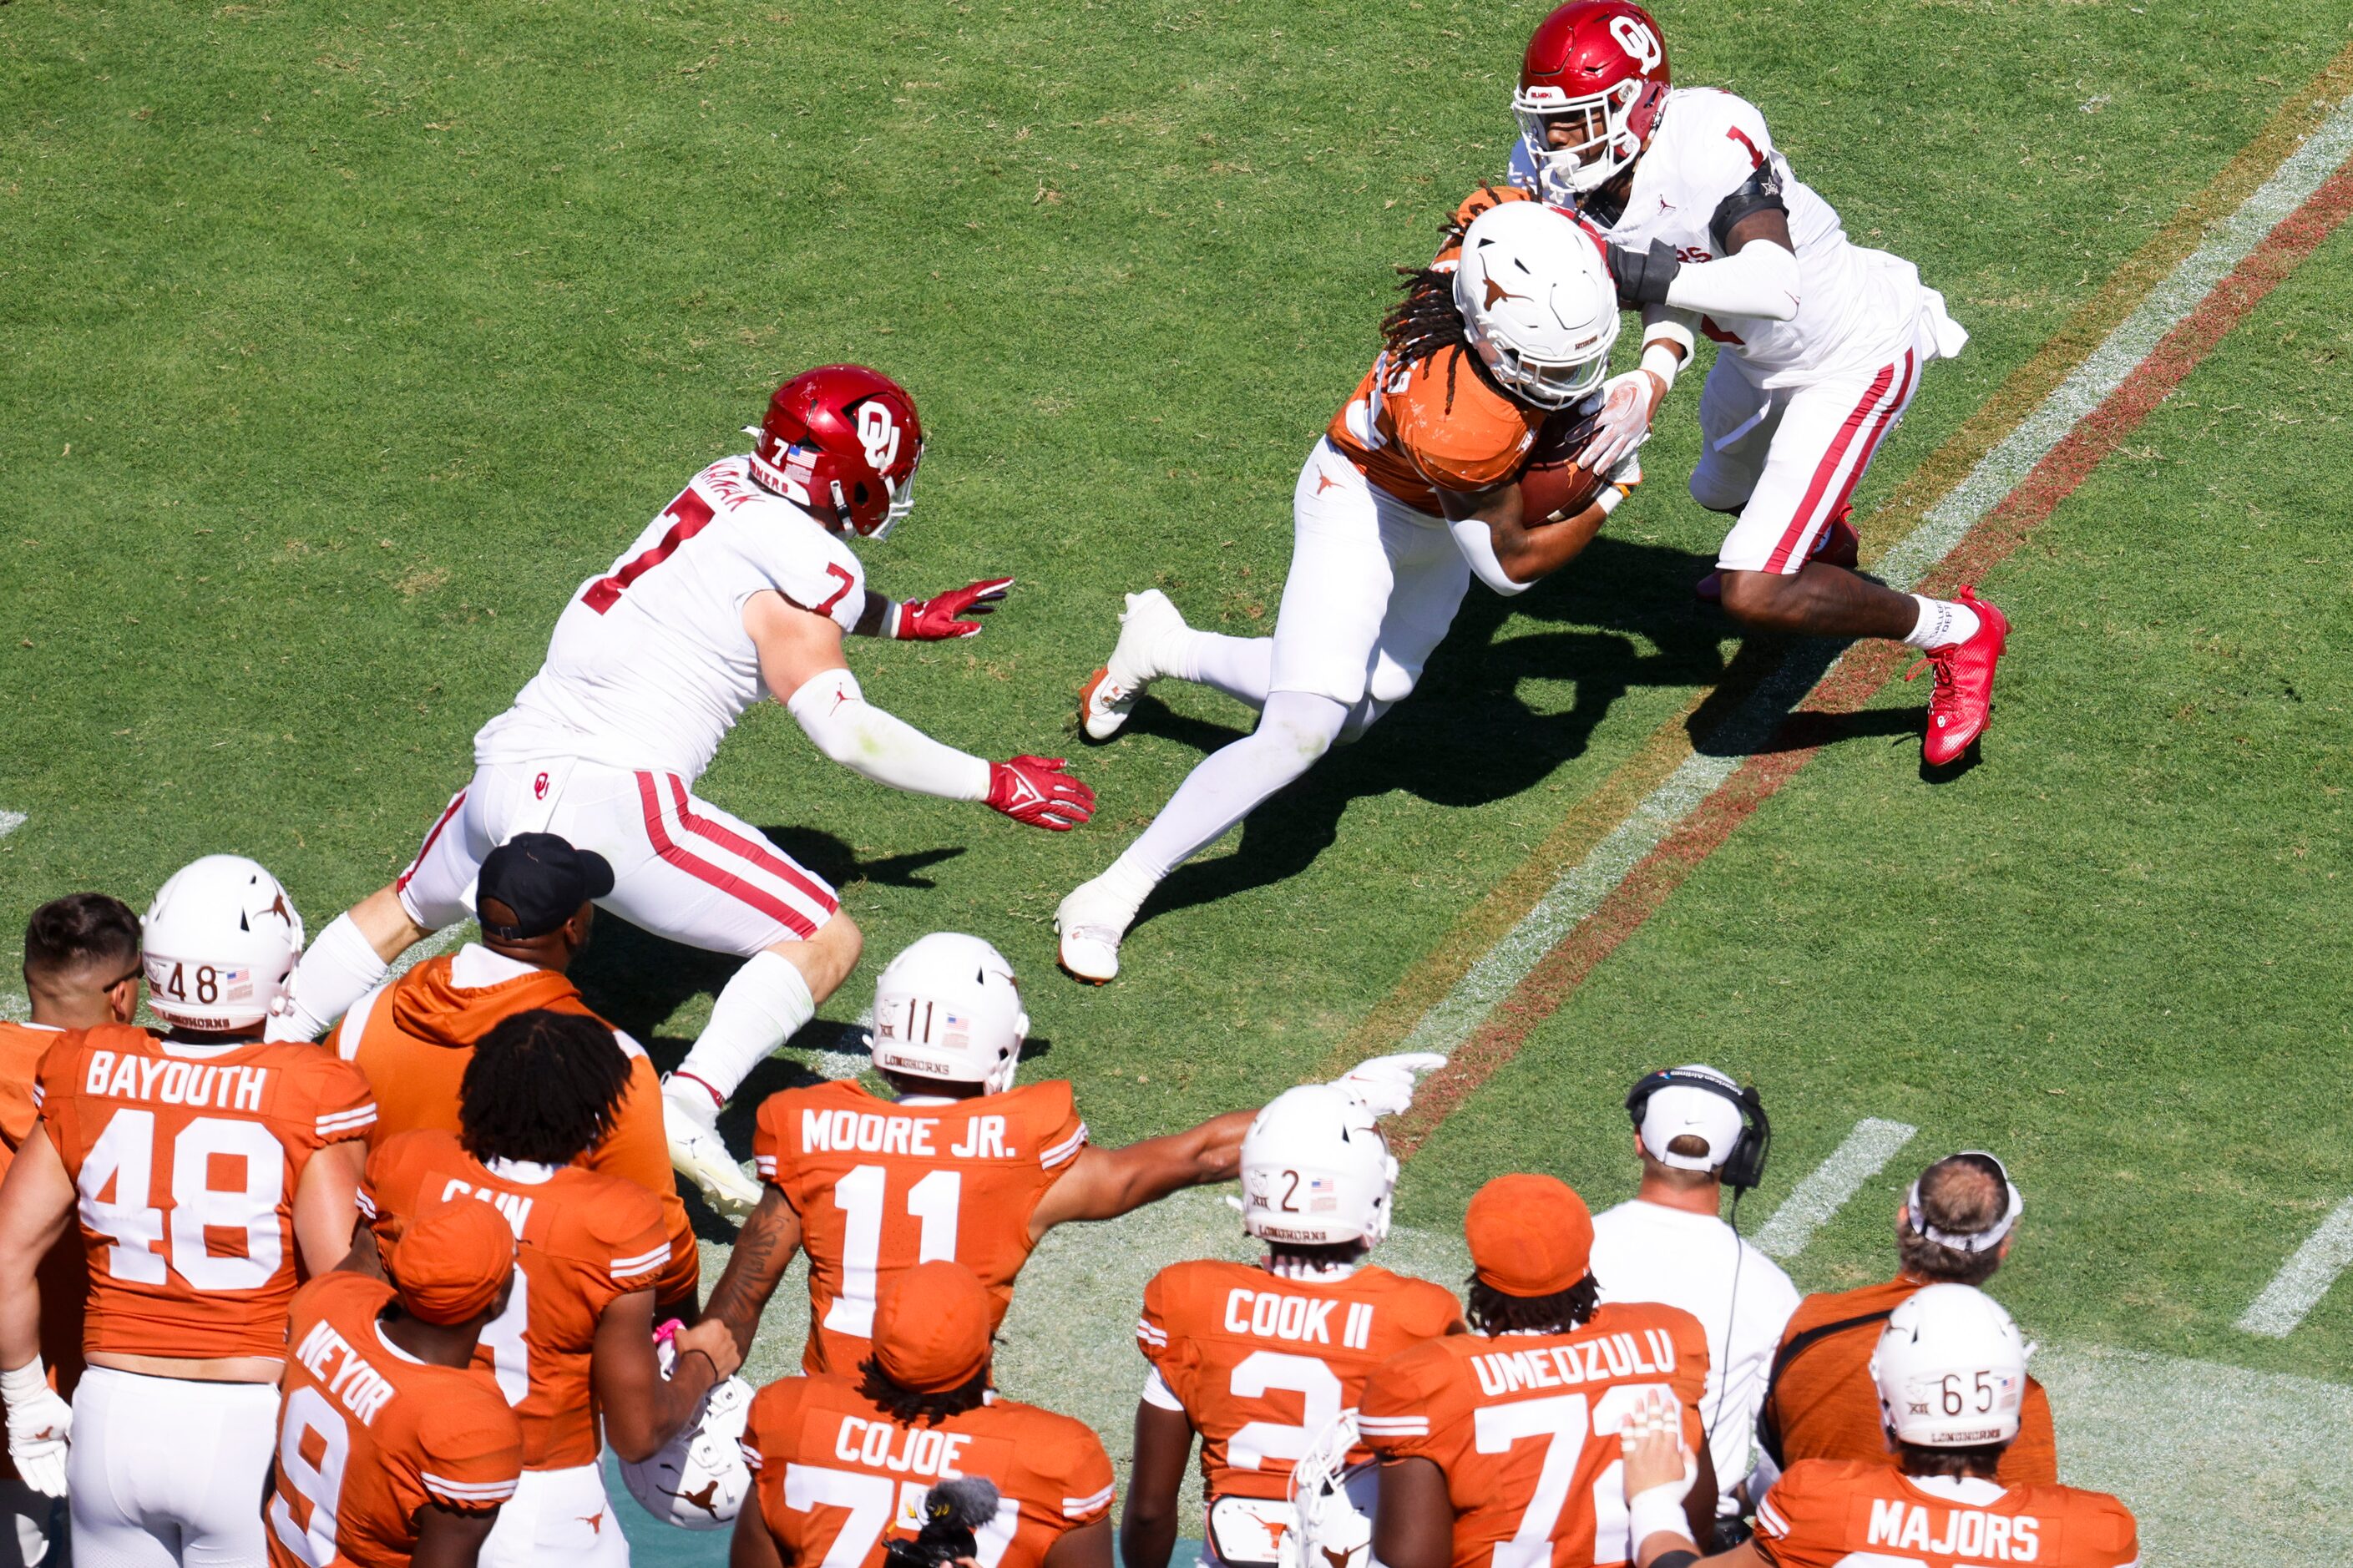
point(1316, 1170)
point(1538, 302)
point(220, 941)
point(948, 1007)
point(1951, 1369)
point(698, 1479)
point(1332, 1501)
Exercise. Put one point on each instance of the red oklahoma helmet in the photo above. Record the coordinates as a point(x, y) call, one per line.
point(1603, 66)
point(843, 441)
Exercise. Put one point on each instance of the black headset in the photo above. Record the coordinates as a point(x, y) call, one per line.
point(1744, 1166)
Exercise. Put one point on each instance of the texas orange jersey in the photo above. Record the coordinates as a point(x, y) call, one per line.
point(64, 1276)
point(413, 1037)
point(584, 1239)
point(835, 1476)
point(1825, 1512)
point(1437, 424)
point(1262, 1363)
point(1525, 1427)
point(367, 1437)
point(187, 1158)
point(880, 1187)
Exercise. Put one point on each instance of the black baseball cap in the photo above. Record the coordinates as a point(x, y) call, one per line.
point(542, 878)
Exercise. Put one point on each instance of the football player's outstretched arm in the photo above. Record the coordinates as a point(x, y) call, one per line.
point(1104, 1183)
point(449, 1538)
point(751, 1545)
point(763, 1249)
point(937, 619)
point(801, 662)
point(1413, 1518)
point(1089, 1546)
point(325, 1204)
point(1506, 554)
point(643, 1410)
point(36, 1203)
point(1164, 1444)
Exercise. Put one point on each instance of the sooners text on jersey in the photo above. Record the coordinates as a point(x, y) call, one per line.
point(880, 1187)
point(836, 1475)
point(186, 1159)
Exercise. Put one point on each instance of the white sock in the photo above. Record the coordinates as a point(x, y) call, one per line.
point(1942, 623)
point(1229, 785)
point(335, 971)
point(760, 1008)
point(1241, 668)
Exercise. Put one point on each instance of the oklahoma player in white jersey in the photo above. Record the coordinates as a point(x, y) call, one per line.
point(1820, 341)
point(742, 588)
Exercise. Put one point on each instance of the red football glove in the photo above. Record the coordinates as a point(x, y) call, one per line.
point(1037, 790)
point(935, 620)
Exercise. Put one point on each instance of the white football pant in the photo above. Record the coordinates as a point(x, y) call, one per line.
point(558, 1519)
point(163, 1471)
point(682, 868)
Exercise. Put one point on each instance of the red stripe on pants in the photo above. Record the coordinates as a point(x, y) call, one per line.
point(751, 849)
point(702, 870)
point(1827, 471)
point(400, 884)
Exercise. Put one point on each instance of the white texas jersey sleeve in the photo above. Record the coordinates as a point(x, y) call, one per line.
point(649, 666)
point(1858, 308)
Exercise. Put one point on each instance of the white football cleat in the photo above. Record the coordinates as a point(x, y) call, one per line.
point(699, 1154)
point(1145, 631)
point(1090, 923)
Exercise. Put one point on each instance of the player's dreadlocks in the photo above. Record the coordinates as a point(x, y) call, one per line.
point(1491, 1312)
point(542, 1087)
point(914, 1405)
point(1425, 320)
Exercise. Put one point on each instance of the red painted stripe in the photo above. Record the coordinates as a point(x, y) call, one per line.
point(702, 870)
point(1867, 666)
point(400, 883)
point(1827, 469)
point(751, 850)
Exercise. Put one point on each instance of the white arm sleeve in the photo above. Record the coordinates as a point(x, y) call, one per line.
point(1760, 279)
point(1478, 547)
point(850, 730)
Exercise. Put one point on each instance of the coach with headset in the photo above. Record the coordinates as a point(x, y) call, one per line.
point(1696, 1132)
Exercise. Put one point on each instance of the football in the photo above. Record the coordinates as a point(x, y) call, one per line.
point(1553, 488)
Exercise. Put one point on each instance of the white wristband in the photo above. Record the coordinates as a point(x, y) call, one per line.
point(1650, 1512)
point(21, 1383)
point(891, 609)
point(1661, 360)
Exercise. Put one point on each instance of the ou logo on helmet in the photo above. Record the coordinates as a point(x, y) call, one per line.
point(878, 434)
point(1641, 44)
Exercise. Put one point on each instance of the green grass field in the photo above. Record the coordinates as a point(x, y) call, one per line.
point(338, 344)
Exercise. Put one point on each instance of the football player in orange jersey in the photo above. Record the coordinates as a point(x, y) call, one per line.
point(414, 1035)
point(842, 1460)
point(1259, 1358)
point(1950, 1369)
point(1501, 1444)
point(1413, 489)
point(573, 1352)
point(391, 1448)
point(962, 1165)
point(208, 1167)
point(81, 971)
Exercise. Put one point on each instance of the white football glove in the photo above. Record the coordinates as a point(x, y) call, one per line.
point(1384, 1085)
point(39, 1422)
point(1627, 402)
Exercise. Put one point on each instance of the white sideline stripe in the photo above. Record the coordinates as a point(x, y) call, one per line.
point(10, 821)
point(1581, 888)
point(1828, 1187)
point(433, 946)
point(851, 1053)
point(2303, 1278)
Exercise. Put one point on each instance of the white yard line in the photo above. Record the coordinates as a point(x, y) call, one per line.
point(10, 821)
point(2303, 1278)
point(433, 946)
point(1581, 888)
point(1828, 1185)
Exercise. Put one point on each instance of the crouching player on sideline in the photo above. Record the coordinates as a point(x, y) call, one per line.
point(1951, 1375)
point(1498, 1443)
point(1259, 1358)
point(573, 1352)
point(841, 1461)
point(206, 1167)
point(391, 1449)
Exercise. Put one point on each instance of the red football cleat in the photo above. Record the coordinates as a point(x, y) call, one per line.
point(1841, 546)
point(1964, 694)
